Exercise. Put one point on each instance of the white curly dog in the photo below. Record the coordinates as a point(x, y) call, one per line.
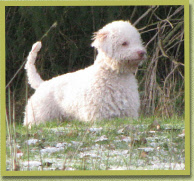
point(107, 89)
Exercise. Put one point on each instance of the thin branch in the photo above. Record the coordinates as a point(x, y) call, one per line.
point(15, 74)
point(143, 15)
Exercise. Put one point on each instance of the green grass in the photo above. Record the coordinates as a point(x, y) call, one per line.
point(149, 143)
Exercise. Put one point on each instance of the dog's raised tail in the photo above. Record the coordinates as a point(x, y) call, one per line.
point(34, 78)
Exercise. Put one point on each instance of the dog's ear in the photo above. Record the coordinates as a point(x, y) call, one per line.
point(99, 38)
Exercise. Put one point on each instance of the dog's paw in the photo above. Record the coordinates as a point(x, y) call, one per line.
point(36, 47)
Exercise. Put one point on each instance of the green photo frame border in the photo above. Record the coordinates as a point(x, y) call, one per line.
point(96, 173)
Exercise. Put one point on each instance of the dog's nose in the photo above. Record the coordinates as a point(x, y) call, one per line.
point(141, 53)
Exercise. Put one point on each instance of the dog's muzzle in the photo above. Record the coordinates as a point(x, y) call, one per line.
point(141, 55)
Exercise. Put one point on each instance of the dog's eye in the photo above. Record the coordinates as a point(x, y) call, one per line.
point(124, 43)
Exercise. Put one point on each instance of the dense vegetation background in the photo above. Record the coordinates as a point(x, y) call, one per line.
point(67, 48)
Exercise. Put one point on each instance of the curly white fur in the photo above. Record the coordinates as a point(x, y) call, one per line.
point(107, 89)
point(34, 78)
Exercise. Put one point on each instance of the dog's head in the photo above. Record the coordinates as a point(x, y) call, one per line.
point(120, 42)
